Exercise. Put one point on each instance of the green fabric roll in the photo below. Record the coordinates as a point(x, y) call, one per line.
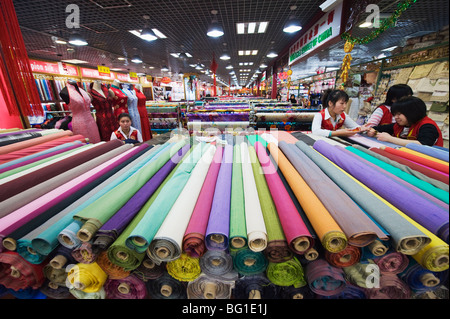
point(119, 253)
point(256, 138)
point(287, 273)
point(277, 249)
point(42, 161)
point(100, 211)
point(248, 262)
point(426, 187)
point(238, 229)
point(143, 234)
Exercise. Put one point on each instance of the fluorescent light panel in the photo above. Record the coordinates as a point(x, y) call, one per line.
point(158, 33)
point(251, 27)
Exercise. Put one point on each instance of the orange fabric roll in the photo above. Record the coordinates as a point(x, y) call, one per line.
point(331, 235)
point(31, 142)
point(428, 157)
point(418, 159)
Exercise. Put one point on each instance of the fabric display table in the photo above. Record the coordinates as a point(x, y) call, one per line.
point(266, 215)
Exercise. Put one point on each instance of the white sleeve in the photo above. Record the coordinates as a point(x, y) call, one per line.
point(113, 136)
point(139, 136)
point(316, 127)
point(350, 123)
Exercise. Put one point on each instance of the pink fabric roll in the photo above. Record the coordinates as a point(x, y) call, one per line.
point(34, 141)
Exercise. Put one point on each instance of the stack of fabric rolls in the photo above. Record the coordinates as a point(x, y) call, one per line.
point(273, 215)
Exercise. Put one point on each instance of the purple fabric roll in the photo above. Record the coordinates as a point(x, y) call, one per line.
point(109, 232)
point(324, 279)
point(424, 212)
point(218, 228)
point(32, 160)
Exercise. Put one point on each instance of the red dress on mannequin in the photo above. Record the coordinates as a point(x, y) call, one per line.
point(145, 123)
point(106, 120)
point(119, 101)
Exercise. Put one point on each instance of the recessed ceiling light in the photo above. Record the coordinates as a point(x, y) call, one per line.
point(59, 41)
point(121, 59)
point(77, 39)
point(262, 27)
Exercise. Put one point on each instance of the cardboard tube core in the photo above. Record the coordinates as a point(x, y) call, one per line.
point(210, 290)
point(10, 244)
point(429, 280)
point(301, 244)
point(217, 238)
point(166, 290)
point(124, 288)
point(254, 294)
point(58, 262)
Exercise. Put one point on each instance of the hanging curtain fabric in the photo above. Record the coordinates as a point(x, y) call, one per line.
point(16, 75)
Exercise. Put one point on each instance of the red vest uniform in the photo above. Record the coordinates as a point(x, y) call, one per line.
point(133, 135)
point(387, 115)
point(327, 125)
point(414, 130)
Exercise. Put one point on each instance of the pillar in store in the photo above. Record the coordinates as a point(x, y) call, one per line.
point(274, 82)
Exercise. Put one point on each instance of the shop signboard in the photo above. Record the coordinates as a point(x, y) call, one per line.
point(53, 68)
point(325, 29)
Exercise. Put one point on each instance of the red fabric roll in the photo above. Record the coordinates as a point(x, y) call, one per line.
point(345, 258)
point(40, 147)
point(421, 169)
point(17, 273)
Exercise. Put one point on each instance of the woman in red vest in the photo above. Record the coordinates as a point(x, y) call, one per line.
point(382, 114)
point(126, 132)
point(412, 125)
point(331, 120)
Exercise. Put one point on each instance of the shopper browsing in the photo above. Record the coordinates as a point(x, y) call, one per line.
point(412, 125)
point(332, 120)
point(382, 114)
point(126, 132)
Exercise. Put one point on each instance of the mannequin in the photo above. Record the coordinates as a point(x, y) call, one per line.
point(79, 103)
point(132, 103)
point(118, 98)
point(142, 109)
point(106, 120)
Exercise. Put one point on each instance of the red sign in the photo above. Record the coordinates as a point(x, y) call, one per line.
point(53, 68)
point(92, 73)
point(166, 80)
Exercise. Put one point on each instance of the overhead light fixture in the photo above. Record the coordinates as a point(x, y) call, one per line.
point(136, 59)
point(77, 39)
point(75, 61)
point(148, 35)
point(215, 30)
point(293, 24)
point(272, 54)
point(164, 68)
point(60, 41)
point(263, 65)
point(391, 48)
point(183, 56)
point(225, 56)
point(228, 67)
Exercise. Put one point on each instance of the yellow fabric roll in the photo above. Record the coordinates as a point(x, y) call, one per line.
point(87, 277)
point(428, 157)
point(185, 268)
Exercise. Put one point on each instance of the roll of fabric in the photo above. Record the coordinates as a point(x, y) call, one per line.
point(328, 231)
point(420, 279)
point(129, 287)
point(254, 219)
point(166, 287)
point(285, 117)
point(357, 226)
point(361, 274)
point(28, 159)
point(41, 190)
point(391, 287)
point(403, 152)
point(21, 164)
point(277, 249)
point(218, 229)
point(286, 273)
point(200, 126)
point(143, 234)
point(216, 263)
point(36, 207)
point(348, 257)
point(185, 268)
point(27, 293)
point(295, 229)
point(16, 273)
point(405, 236)
point(119, 253)
point(392, 262)
point(16, 138)
point(194, 237)
point(54, 291)
point(87, 277)
point(350, 292)
point(148, 270)
point(39, 148)
point(421, 210)
point(110, 231)
point(324, 279)
point(441, 177)
point(35, 141)
point(168, 240)
point(61, 257)
point(238, 230)
point(79, 294)
point(296, 293)
point(255, 287)
point(405, 169)
point(66, 237)
point(85, 253)
point(427, 187)
point(430, 151)
point(205, 287)
point(99, 212)
point(422, 155)
point(29, 180)
point(248, 262)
